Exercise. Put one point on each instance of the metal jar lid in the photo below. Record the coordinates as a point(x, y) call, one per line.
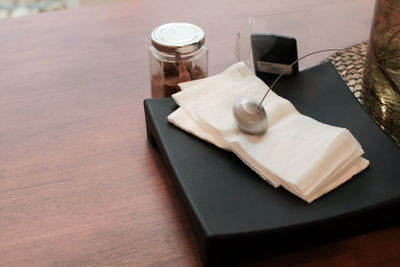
point(177, 38)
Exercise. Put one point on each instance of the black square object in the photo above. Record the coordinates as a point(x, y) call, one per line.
point(234, 212)
point(273, 54)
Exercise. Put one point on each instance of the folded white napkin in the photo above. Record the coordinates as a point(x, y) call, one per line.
point(306, 157)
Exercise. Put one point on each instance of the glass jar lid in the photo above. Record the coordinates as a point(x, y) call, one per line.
point(177, 38)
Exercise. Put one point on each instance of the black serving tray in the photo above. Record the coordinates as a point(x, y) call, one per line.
point(235, 213)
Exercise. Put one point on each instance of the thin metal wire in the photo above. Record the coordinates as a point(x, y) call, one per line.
point(297, 60)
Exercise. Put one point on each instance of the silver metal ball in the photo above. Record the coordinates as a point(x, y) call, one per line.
point(249, 117)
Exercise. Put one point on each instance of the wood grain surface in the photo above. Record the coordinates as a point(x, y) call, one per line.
point(80, 185)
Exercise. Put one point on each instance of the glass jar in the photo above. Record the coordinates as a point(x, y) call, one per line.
point(381, 79)
point(177, 54)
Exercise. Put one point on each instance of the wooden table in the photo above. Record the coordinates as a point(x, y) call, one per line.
point(79, 182)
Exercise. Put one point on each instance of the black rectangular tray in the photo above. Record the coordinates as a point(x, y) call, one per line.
point(234, 212)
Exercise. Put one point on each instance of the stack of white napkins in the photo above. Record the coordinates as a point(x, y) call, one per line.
point(306, 157)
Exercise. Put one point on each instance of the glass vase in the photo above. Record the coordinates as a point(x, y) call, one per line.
point(381, 79)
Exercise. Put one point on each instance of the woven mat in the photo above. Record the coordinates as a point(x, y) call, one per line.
point(350, 66)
